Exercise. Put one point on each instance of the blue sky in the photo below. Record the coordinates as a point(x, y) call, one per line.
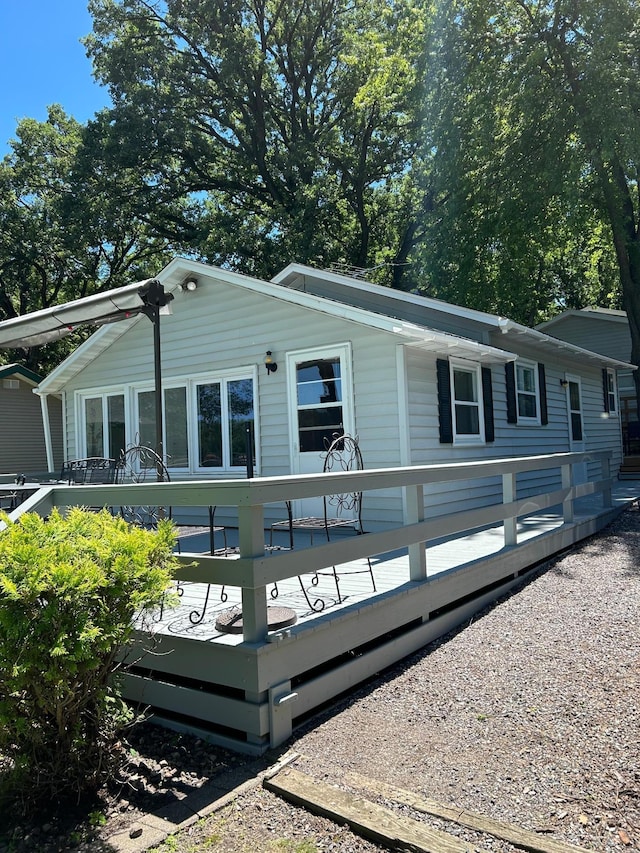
point(42, 62)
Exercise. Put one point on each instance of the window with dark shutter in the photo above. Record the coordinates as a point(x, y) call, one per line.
point(444, 401)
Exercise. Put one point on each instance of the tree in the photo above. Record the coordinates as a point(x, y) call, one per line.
point(66, 226)
point(517, 230)
point(537, 134)
point(293, 125)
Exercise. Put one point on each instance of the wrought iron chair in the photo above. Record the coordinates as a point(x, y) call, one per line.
point(140, 464)
point(342, 510)
point(93, 469)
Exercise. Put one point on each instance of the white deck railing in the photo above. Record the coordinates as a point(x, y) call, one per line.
point(253, 570)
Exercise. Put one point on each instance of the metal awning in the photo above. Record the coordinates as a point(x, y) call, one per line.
point(51, 324)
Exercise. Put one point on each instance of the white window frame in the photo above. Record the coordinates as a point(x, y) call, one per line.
point(223, 379)
point(612, 391)
point(472, 367)
point(533, 367)
point(132, 415)
point(81, 411)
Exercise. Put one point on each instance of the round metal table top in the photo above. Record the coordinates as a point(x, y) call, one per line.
point(230, 622)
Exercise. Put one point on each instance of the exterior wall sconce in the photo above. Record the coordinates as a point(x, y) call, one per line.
point(564, 383)
point(269, 363)
point(189, 284)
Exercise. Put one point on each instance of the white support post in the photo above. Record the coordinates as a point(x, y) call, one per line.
point(606, 475)
point(254, 601)
point(417, 552)
point(509, 496)
point(567, 504)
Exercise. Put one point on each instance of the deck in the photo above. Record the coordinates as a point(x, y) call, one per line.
point(248, 690)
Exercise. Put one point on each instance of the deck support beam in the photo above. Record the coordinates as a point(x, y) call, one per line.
point(417, 551)
point(254, 600)
point(509, 496)
point(567, 504)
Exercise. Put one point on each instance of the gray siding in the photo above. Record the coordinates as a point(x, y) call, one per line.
point(22, 448)
point(223, 328)
point(598, 334)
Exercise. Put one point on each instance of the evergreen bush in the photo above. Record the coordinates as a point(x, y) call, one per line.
point(70, 589)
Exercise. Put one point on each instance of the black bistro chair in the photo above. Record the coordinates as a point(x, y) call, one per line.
point(140, 464)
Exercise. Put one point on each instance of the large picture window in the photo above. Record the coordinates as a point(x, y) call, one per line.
point(206, 423)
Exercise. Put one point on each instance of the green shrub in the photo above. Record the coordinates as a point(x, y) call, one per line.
point(70, 587)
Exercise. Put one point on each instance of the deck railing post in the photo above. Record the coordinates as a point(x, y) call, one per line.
point(567, 503)
point(606, 475)
point(509, 496)
point(254, 601)
point(417, 551)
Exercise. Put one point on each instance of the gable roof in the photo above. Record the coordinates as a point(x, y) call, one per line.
point(387, 311)
point(397, 303)
point(8, 371)
point(589, 313)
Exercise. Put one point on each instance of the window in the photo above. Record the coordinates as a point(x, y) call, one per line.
point(609, 390)
point(225, 423)
point(319, 402)
point(527, 391)
point(468, 424)
point(104, 425)
point(465, 402)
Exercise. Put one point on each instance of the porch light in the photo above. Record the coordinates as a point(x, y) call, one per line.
point(269, 363)
point(564, 383)
point(189, 284)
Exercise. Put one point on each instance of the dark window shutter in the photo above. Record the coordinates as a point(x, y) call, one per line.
point(605, 389)
point(512, 409)
point(487, 404)
point(445, 412)
point(542, 387)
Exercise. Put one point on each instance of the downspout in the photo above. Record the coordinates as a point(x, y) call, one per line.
point(44, 405)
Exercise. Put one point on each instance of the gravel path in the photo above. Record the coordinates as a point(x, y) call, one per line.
point(530, 714)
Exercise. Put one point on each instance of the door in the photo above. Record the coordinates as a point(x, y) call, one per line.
point(576, 425)
point(320, 395)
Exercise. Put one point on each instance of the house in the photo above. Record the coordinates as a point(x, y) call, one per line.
point(313, 352)
point(25, 426)
point(605, 331)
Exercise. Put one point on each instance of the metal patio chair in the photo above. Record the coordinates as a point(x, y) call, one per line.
point(139, 464)
point(342, 510)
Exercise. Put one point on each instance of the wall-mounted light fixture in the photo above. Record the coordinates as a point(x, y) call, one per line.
point(564, 383)
point(189, 284)
point(269, 363)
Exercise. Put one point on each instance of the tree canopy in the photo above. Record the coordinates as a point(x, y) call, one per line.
point(482, 151)
point(293, 124)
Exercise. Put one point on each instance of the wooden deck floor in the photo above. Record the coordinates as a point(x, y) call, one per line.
point(391, 572)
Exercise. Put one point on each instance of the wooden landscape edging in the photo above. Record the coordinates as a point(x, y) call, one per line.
point(394, 831)
point(506, 831)
point(364, 817)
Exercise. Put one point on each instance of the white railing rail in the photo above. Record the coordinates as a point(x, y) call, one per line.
point(254, 570)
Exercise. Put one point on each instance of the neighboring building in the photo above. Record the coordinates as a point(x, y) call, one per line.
point(22, 431)
point(605, 331)
point(419, 381)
